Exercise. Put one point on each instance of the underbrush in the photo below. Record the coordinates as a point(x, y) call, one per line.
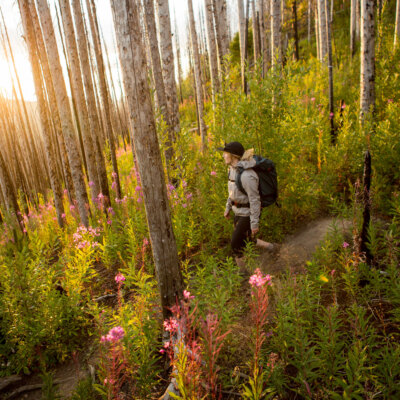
point(331, 332)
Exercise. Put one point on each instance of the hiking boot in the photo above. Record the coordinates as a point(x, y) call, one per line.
point(265, 245)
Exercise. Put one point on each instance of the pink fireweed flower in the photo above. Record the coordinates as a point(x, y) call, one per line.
point(258, 279)
point(170, 187)
point(100, 196)
point(109, 221)
point(171, 325)
point(91, 183)
point(343, 106)
point(345, 245)
point(110, 211)
point(114, 335)
point(184, 205)
point(213, 173)
point(139, 200)
point(312, 99)
point(145, 242)
point(72, 207)
point(114, 185)
point(331, 115)
point(162, 351)
point(187, 296)
point(390, 101)
point(189, 196)
point(114, 175)
point(119, 278)
point(333, 272)
point(138, 188)
point(184, 183)
point(65, 191)
point(63, 215)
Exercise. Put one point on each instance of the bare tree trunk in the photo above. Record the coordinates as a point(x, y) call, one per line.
point(64, 109)
point(79, 94)
point(242, 40)
point(263, 34)
point(276, 40)
point(212, 49)
point(322, 29)
point(39, 89)
point(317, 38)
point(149, 15)
point(95, 127)
point(367, 86)
point(358, 20)
point(309, 21)
point(52, 102)
point(296, 35)
point(197, 76)
point(147, 151)
point(330, 72)
point(246, 48)
point(221, 28)
point(353, 27)
point(168, 65)
point(256, 33)
point(397, 26)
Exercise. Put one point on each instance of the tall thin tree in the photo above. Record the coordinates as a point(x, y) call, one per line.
point(64, 109)
point(397, 24)
point(147, 152)
point(276, 31)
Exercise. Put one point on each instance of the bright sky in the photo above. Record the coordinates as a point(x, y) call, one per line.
point(12, 18)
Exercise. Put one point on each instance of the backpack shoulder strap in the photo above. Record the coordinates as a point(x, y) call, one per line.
point(239, 180)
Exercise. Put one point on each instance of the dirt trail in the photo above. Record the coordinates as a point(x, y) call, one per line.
point(299, 247)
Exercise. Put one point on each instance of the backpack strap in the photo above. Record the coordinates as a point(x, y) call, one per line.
point(238, 180)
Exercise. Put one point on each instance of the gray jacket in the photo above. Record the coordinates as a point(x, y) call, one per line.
point(249, 181)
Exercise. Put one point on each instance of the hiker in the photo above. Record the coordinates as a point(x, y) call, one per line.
point(245, 206)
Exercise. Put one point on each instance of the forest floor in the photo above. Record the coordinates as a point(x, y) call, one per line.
point(292, 256)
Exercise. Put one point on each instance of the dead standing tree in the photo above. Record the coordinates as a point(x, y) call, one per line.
point(133, 62)
point(64, 109)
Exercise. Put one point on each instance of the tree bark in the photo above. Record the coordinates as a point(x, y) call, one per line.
point(296, 34)
point(256, 33)
point(147, 151)
point(317, 39)
point(358, 20)
point(276, 40)
point(43, 109)
point(353, 27)
point(95, 127)
point(263, 35)
point(149, 14)
point(212, 49)
point(367, 86)
point(330, 72)
point(309, 21)
point(197, 76)
point(64, 109)
point(168, 65)
point(322, 30)
point(221, 27)
point(79, 94)
point(242, 41)
point(397, 26)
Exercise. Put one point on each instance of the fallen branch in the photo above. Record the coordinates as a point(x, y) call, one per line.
point(8, 380)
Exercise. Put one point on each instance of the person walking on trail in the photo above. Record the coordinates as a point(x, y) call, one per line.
point(245, 206)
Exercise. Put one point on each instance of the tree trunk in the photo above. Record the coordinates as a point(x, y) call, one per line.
point(221, 28)
point(256, 33)
point(317, 39)
point(197, 76)
point(296, 35)
point(309, 21)
point(147, 151)
point(52, 102)
point(364, 240)
point(397, 26)
point(242, 41)
point(64, 109)
point(367, 86)
point(358, 20)
point(330, 72)
point(212, 49)
point(79, 94)
point(276, 48)
point(43, 109)
point(148, 8)
point(95, 127)
point(353, 27)
point(263, 35)
point(168, 65)
point(322, 30)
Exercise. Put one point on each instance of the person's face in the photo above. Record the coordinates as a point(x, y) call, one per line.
point(227, 157)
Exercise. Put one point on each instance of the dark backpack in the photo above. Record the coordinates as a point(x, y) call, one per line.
point(268, 181)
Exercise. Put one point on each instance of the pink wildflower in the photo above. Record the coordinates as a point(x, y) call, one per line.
point(184, 183)
point(91, 183)
point(162, 351)
point(138, 188)
point(345, 245)
point(331, 115)
point(343, 106)
point(170, 187)
point(114, 175)
point(109, 221)
point(114, 335)
point(390, 101)
point(184, 205)
point(187, 296)
point(145, 242)
point(110, 211)
point(312, 99)
point(213, 173)
point(171, 325)
point(72, 207)
point(114, 185)
point(189, 196)
point(139, 200)
point(63, 215)
point(258, 279)
point(119, 278)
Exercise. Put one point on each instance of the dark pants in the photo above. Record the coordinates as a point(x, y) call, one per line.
point(241, 234)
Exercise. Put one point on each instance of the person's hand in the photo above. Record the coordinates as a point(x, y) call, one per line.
point(226, 214)
point(255, 231)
